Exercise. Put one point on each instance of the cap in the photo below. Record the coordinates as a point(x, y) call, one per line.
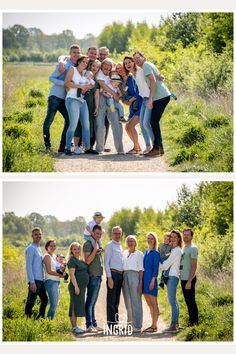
point(116, 77)
point(60, 255)
point(97, 213)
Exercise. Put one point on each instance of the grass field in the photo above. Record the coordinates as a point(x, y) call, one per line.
point(198, 134)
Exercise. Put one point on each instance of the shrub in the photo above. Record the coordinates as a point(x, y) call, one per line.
point(192, 135)
point(16, 130)
point(25, 116)
point(35, 92)
point(33, 102)
point(222, 300)
point(217, 121)
point(184, 154)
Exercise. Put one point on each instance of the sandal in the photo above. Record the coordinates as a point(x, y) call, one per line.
point(133, 152)
point(150, 330)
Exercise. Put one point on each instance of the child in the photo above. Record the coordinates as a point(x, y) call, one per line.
point(87, 79)
point(88, 231)
point(115, 81)
point(165, 250)
point(60, 267)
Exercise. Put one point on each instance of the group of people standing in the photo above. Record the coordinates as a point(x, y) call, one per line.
point(131, 271)
point(88, 90)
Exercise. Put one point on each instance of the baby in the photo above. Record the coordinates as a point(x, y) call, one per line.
point(60, 267)
point(85, 80)
point(114, 84)
point(165, 250)
point(88, 231)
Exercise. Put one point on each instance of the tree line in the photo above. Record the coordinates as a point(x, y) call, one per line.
point(210, 30)
point(208, 210)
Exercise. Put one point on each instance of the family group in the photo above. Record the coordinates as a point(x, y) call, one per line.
point(129, 271)
point(89, 91)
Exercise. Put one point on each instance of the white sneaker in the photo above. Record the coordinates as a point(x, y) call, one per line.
point(77, 330)
point(91, 329)
point(77, 150)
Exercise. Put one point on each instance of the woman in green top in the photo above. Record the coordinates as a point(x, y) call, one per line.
point(79, 279)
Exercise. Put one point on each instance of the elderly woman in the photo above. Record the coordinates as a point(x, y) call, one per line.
point(173, 264)
point(77, 109)
point(79, 279)
point(92, 100)
point(52, 278)
point(103, 79)
point(154, 104)
point(134, 101)
point(150, 289)
point(132, 283)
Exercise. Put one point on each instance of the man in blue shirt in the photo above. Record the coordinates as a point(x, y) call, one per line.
point(56, 98)
point(34, 270)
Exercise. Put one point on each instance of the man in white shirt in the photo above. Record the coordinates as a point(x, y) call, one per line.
point(114, 266)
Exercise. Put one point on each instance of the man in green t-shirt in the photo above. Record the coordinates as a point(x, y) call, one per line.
point(93, 257)
point(188, 267)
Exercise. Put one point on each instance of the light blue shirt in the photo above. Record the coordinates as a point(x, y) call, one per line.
point(58, 89)
point(113, 257)
point(34, 262)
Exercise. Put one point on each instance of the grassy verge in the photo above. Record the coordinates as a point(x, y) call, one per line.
point(198, 136)
point(215, 304)
point(25, 103)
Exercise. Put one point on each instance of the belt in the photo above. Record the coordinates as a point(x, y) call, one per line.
point(117, 271)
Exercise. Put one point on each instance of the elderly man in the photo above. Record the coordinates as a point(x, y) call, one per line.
point(114, 265)
point(93, 257)
point(34, 270)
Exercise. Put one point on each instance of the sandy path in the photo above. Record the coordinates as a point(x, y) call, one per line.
point(101, 320)
point(111, 162)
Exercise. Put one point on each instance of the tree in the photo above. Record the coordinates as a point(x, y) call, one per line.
point(37, 220)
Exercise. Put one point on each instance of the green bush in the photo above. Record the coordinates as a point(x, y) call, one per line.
point(25, 116)
point(192, 134)
point(33, 102)
point(36, 93)
point(16, 130)
point(217, 121)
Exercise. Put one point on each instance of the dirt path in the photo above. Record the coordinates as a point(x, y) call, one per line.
point(101, 320)
point(111, 162)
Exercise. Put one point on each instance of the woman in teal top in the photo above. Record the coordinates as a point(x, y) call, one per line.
point(79, 279)
point(158, 99)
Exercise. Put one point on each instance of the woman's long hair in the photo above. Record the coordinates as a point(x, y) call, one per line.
point(69, 253)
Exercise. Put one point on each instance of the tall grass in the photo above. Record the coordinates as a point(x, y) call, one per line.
point(15, 325)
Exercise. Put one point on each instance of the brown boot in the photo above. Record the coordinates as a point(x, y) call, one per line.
point(153, 153)
point(161, 149)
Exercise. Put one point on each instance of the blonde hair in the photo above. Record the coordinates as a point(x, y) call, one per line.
point(154, 235)
point(132, 237)
point(69, 253)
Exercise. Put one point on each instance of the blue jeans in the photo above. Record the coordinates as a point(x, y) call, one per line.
point(55, 104)
point(117, 105)
point(145, 118)
point(92, 296)
point(77, 110)
point(53, 290)
point(171, 289)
